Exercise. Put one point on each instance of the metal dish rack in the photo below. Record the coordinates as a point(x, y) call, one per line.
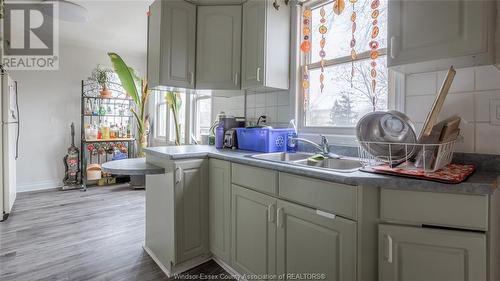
point(427, 157)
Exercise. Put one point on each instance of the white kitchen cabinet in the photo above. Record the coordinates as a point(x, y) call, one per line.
point(177, 214)
point(265, 46)
point(172, 44)
point(218, 61)
point(253, 249)
point(425, 254)
point(433, 35)
point(311, 241)
point(219, 208)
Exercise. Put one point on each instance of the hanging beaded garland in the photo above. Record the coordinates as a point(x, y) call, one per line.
point(354, 55)
point(374, 45)
point(305, 47)
point(338, 6)
point(322, 54)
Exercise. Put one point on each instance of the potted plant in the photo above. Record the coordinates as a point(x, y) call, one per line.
point(138, 90)
point(102, 77)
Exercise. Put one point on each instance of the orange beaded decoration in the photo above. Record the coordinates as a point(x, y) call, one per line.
point(374, 45)
point(305, 47)
point(354, 55)
point(322, 30)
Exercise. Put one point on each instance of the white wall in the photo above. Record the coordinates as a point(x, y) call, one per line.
point(49, 101)
point(471, 93)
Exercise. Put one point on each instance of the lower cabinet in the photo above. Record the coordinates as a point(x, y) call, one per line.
point(219, 210)
point(191, 209)
point(253, 233)
point(312, 242)
point(272, 236)
point(428, 254)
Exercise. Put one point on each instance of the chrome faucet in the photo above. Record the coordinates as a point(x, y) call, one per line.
point(323, 147)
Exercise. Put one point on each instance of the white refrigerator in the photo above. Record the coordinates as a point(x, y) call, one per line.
point(9, 139)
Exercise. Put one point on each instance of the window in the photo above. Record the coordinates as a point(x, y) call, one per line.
point(165, 128)
point(202, 116)
point(345, 97)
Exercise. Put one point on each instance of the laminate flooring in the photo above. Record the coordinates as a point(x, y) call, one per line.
point(74, 235)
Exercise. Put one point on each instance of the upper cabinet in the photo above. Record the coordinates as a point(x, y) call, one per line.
point(218, 61)
point(432, 35)
point(172, 44)
point(265, 45)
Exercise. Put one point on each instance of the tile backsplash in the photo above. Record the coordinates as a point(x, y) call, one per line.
point(275, 105)
point(472, 92)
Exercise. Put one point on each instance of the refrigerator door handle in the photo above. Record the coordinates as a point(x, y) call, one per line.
point(18, 122)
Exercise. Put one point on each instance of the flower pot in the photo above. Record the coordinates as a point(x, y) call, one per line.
point(106, 93)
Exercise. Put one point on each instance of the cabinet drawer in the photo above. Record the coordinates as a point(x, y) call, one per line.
point(255, 178)
point(444, 209)
point(337, 198)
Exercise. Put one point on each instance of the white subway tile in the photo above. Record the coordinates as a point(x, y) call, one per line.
point(260, 100)
point(259, 111)
point(418, 107)
point(250, 101)
point(487, 138)
point(482, 104)
point(461, 104)
point(487, 78)
point(250, 114)
point(283, 114)
point(271, 98)
point(283, 98)
point(465, 143)
point(271, 114)
point(421, 84)
point(463, 81)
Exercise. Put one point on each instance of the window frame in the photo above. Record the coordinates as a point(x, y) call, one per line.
point(159, 100)
point(194, 115)
point(395, 80)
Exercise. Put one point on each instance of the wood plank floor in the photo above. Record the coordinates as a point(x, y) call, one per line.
point(74, 235)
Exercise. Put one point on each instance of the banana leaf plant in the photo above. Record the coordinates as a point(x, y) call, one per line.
point(174, 102)
point(137, 89)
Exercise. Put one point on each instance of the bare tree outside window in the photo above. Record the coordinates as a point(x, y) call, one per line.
point(346, 97)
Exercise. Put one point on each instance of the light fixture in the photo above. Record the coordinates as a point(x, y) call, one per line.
point(70, 11)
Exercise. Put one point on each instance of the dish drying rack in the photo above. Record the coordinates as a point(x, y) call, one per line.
point(426, 157)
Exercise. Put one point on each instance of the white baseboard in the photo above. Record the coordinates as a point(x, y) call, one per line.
point(39, 185)
point(229, 269)
point(157, 261)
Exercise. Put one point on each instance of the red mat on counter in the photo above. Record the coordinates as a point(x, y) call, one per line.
point(453, 173)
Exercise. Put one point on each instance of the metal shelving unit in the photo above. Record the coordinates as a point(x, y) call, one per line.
point(94, 111)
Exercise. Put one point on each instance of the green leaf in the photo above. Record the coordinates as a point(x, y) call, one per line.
point(126, 78)
point(140, 122)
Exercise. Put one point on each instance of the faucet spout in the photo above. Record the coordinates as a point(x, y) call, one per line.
point(323, 147)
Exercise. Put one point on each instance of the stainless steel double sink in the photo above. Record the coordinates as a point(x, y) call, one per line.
point(342, 165)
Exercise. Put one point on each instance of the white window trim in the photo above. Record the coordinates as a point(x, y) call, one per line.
point(194, 106)
point(338, 135)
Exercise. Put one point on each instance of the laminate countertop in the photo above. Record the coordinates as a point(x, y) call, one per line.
point(481, 182)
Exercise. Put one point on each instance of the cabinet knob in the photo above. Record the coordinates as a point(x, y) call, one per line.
point(236, 78)
point(191, 75)
point(258, 74)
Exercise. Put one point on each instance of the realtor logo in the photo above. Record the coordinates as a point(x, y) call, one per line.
point(30, 36)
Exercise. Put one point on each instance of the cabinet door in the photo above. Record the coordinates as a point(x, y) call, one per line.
point(425, 254)
point(191, 218)
point(253, 45)
point(310, 241)
point(178, 44)
point(219, 208)
point(218, 61)
point(253, 232)
point(450, 29)
point(154, 44)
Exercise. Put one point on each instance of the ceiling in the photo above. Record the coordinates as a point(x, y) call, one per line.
point(114, 25)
